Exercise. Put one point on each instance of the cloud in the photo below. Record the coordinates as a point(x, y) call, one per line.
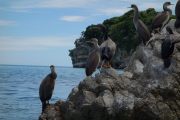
point(34, 43)
point(113, 11)
point(50, 4)
point(7, 23)
point(73, 18)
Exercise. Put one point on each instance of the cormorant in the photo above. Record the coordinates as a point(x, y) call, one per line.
point(93, 59)
point(107, 49)
point(177, 12)
point(162, 18)
point(46, 87)
point(141, 28)
point(167, 48)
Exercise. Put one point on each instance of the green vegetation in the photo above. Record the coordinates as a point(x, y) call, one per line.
point(121, 29)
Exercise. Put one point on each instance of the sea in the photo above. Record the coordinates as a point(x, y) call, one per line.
point(19, 89)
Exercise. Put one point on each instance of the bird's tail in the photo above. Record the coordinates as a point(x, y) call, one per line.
point(167, 62)
point(177, 23)
point(43, 106)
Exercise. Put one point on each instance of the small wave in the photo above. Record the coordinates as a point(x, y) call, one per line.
point(28, 98)
point(8, 93)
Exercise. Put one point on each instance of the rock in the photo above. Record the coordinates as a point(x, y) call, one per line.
point(80, 54)
point(128, 74)
point(145, 91)
point(52, 112)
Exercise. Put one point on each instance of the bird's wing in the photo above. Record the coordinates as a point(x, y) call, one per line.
point(159, 19)
point(49, 89)
point(42, 88)
point(112, 47)
point(143, 31)
point(103, 45)
point(92, 62)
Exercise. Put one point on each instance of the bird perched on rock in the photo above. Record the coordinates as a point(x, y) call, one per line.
point(107, 50)
point(162, 18)
point(94, 58)
point(177, 12)
point(167, 48)
point(141, 28)
point(46, 87)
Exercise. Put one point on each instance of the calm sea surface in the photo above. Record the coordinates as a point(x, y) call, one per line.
point(19, 89)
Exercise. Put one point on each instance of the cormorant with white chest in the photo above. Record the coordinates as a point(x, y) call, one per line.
point(46, 87)
point(162, 18)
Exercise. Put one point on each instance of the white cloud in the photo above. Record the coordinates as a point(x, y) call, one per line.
point(34, 43)
point(51, 4)
point(6, 22)
point(73, 18)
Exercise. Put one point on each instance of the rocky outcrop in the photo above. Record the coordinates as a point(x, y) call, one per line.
point(80, 54)
point(121, 30)
point(145, 91)
point(52, 112)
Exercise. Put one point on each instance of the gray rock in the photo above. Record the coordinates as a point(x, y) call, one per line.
point(145, 91)
point(81, 51)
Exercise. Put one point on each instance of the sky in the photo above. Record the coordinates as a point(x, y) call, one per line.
point(41, 32)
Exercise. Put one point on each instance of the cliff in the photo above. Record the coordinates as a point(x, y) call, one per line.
point(122, 32)
point(145, 91)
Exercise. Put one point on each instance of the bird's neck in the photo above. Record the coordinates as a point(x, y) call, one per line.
point(96, 45)
point(53, 74)
point(136, 14)
point(166, 9)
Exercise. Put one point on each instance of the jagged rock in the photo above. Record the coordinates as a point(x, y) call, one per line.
point(145, 91)
point(52, 112)
point(80, 54)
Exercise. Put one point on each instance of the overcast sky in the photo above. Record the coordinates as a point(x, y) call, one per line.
point(41, 32)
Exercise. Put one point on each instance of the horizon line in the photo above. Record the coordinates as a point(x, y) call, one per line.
point(33, 65)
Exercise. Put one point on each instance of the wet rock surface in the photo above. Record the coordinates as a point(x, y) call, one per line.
point(145, 91)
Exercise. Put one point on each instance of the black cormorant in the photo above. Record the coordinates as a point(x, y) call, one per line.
point(46, 87)
point(141, 28)
point(93, 59)
point(167, 48)
point(162, 18)
point(177, 12)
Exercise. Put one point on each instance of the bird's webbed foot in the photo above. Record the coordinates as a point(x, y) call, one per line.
point(107, 65)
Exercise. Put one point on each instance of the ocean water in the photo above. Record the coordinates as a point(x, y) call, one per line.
point(19, 89)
